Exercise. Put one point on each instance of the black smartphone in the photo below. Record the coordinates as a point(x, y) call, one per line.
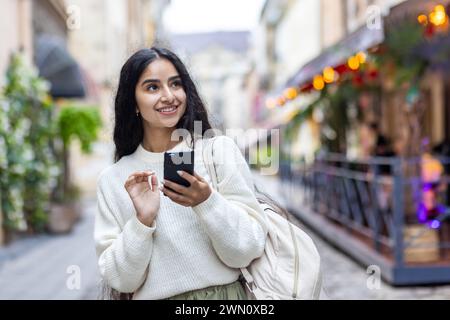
point(178, 161)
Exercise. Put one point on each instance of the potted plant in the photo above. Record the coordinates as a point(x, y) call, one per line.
point(73, 122)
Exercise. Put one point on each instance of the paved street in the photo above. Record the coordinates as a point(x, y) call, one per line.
point(37, 268)
point(41, 268)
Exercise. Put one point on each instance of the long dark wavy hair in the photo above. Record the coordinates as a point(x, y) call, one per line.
point(128, 128)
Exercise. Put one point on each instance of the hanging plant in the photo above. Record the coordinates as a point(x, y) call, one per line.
point(74, 122)
point(398, 59)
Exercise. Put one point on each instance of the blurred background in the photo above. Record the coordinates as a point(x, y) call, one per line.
point(353, 97)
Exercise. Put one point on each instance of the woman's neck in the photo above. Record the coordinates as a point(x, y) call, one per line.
point(158, 140)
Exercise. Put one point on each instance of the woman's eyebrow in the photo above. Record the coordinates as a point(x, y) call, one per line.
point(158, 81)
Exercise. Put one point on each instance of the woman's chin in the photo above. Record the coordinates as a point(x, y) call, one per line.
point(170, 123)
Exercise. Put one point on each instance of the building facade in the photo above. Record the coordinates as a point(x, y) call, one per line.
point(107, 33)
point(21, 23)
point(369, 192)
point(220, 65)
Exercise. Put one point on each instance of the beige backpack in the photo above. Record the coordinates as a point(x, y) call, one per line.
point(290, 265)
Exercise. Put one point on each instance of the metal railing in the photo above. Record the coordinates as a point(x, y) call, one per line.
point(375, 200)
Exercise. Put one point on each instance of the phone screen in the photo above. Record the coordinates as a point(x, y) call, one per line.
point(178, 161)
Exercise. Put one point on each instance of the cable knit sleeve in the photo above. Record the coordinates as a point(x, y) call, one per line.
point(123, 250)
point(232, 216)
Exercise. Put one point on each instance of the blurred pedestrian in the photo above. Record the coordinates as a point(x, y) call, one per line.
point(191, 242)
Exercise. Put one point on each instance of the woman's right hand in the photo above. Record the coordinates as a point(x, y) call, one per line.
point(142, 187)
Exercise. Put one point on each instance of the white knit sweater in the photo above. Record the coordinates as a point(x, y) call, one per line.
point(186, 248)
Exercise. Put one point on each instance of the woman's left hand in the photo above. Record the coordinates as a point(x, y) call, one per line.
point(196, 193)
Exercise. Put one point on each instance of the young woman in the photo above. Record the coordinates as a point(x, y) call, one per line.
point(183, 243)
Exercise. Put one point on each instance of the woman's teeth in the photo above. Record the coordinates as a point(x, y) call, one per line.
point(167, 110)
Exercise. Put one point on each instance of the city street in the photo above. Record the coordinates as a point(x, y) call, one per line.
point(352, 114)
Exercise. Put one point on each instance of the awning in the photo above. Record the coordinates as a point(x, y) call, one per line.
point(276, 119)
point(280, 117)
point(360, 40)
point(56, 65)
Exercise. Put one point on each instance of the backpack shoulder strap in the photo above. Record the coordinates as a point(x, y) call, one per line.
point(208, 160)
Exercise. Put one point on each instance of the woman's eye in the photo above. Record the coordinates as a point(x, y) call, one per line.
point(152, 87)
point(176, 84)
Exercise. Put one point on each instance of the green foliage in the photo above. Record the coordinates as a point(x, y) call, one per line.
point(399, 58)
point(28, 168)
point(74, 122)
point(33, 147)
point(337, 121)
point(402, 39)
point(78, 122)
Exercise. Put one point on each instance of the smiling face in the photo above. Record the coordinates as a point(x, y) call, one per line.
point(160, 96)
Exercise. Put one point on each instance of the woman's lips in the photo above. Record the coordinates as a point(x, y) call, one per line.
point(167, 111)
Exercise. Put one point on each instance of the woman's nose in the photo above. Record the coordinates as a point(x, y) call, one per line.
point(167, 95)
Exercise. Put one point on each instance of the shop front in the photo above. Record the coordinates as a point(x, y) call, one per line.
point(378, 186)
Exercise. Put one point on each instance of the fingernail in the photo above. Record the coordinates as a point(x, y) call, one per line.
point(163, 181)
point(180, 172)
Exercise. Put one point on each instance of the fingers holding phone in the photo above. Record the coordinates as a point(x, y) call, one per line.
point(142, 187)
point(197, 192)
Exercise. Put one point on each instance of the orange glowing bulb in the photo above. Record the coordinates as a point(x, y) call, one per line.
point(353, 63)
point(318, 83)
point(438, 17)
point(281, 101)
point(362, 57)
point(290, 93)
point(439, 8)
point(423, 19)
point(329, 75)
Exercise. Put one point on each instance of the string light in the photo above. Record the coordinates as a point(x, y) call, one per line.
point(329, 75)
point(438, 17)
point(423, 19)
point(290, 93)
point(353, 63)
point(281, 101)
point(318, 83)
point(439, 8)
point(362, 57)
